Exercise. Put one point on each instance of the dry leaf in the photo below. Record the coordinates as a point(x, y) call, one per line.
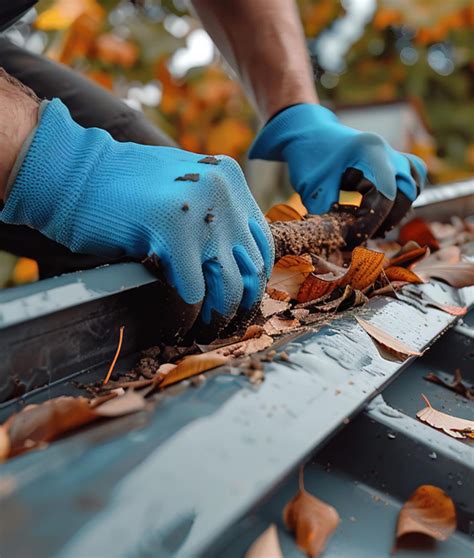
point(276, 325)
point(36, 425)
point(193, 365)
point(312, 520)
point(283, 212)
point(458, 386)
point(452, 426)
point(130, 402)
point(395, 273)
point(275, 294)
point(196, 364)
point(418, 230)
point(429, 511)
point(366, 266)
point(446, 264)
point(289, 273)
point(389, 343)
point(270, 306)
point(409, 254)
point(266, 545)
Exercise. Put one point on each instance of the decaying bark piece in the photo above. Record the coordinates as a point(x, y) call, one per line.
point(315, 234)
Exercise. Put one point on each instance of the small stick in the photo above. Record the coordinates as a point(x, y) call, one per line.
point(117, 352)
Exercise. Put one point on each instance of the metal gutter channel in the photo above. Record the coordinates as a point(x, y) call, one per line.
point(205, 456)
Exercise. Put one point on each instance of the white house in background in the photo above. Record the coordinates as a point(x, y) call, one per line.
point(401, 123)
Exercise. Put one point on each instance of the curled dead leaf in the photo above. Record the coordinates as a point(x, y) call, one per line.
point(312, 520)
point(455, 427)
point(283, 212)
point(389, 343)
point(266, 545)
point(408, 255)
point(36, 425)
point(457, 385)
point(429, 511)
point(193, 365)
point(289, 273)
point(396, 273)
point(366, 265)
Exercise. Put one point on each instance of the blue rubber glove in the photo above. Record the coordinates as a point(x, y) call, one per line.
point(325, 156)
point(98, 196)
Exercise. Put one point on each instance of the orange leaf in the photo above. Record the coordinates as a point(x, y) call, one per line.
point(289, 273)
point(408, 255)
point(452, 426)
point(366, 266)
point(266, 545)
point(429, 511)
point(283, 212)
point(312, 520)
point(418, 230)
point(193, 365)
point(395, 273)
point(389, 343)
point(196, 364)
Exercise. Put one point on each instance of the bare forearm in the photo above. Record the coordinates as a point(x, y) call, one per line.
point(263, 41)
point(18, 117)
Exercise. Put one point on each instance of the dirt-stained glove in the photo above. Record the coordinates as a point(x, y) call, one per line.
point(324, 157)
point(98, 196)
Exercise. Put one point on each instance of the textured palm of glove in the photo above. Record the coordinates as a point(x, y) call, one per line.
point(324, 156)
point(95, 195)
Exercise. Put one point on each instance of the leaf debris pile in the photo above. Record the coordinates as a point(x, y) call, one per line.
point(305, 290)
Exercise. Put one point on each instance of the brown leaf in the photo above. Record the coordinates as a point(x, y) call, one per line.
point(418, 230)
point(389, 343)
point(409, 254)
point(289, 273)
point(312, 520)
point(36, 425)
point(270, 306)
point(196, 364)
point(283, 212)
point(446, 264)
point(277, 325)
point(458, 386)
point(266, 545)
point(452, 426)
point(448, 308)
point(429, 511)
point(193, 365)
point(395, 273)
point(366, 266)
point(130, 402)
point(275, 294)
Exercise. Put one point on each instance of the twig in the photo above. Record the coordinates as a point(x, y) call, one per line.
point(117, 352)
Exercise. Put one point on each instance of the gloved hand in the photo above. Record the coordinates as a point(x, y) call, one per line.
point(324, 156)
point(98, 196)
